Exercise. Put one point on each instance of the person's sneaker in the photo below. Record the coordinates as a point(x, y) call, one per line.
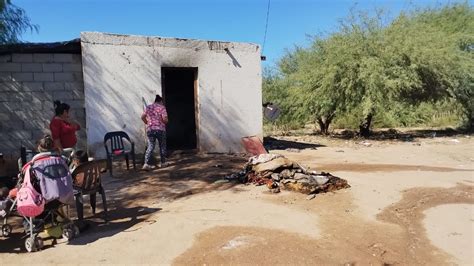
point(163, 165)
point(148, 167)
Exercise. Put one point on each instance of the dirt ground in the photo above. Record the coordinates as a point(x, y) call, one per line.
point(410, 202)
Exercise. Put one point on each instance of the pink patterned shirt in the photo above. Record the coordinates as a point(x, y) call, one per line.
point(155, 116)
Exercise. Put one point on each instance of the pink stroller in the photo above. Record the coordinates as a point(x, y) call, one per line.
point(46, 186)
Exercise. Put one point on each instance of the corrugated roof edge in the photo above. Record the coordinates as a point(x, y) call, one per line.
point(70, 47)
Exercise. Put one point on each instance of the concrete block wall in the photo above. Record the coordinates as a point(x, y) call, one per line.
point(29, 83)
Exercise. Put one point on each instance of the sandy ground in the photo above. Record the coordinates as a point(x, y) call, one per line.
point(410, 203)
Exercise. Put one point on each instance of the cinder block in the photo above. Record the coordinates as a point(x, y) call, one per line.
point(63, 58)
point(77, 58)
point(32, 86)
point(18, 96)
point(4, 136)
point(78, 76)
point(78, 95)
point(63, 96)
point(43, 58)
point(42, 96)
point(5, 76)
point(5, 58)
point(10, 67)
point(31, 67)
point(64, 76)
point(48, 108)
point(72, 67)
point(52, 67)
point(33, 120)
point(22, 76)
point(29, 143)
point(13, 124)
point(21, 134)
point(74, 86)
point(38, 134)
point(53, 86)
point(22, 58)
point(4, 116)
point(31, 115)
point(76, 104)
point(79, 113)
point(9, 145)
point(11, 86)
point(38, 98)
point(43, 76)
point(9, 107)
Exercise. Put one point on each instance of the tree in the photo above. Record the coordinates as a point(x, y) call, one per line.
point(13, 23)
point(439, 43)
point(279, 89)
point(369, 66)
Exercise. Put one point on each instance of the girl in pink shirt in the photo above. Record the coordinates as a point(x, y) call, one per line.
point(155, 118)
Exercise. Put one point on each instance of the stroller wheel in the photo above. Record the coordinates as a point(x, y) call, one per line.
point(68, 233)
point(39, 243)
point(76, 230)
point(30, 244)
point(6, 230)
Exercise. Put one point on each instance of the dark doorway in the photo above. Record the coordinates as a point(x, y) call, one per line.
point(179, 96)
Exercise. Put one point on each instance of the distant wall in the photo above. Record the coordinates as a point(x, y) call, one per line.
point(120, 69)
point(28, 85)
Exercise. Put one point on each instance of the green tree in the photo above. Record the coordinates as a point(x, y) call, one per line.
point(370, 67)
point(13, 23)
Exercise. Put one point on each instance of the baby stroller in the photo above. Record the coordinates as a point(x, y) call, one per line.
point(46, 186)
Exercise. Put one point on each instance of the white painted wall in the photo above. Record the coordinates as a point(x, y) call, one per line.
point(120, 69)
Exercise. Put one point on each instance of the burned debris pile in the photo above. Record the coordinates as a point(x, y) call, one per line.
point(278, 172)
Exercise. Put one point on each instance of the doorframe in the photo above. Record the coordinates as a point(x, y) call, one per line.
point(196, 99)
point(196, 107)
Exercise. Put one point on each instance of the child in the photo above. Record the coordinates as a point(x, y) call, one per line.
point(6, 198)
point(78, 158)
point(46, 144)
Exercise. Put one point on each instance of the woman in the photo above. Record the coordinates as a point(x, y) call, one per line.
point(63, 129)
point(155, 117)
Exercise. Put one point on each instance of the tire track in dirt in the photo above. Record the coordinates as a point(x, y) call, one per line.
point(408, 213)
point(346, 237)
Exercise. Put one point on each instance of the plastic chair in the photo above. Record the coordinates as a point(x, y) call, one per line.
point(28, 155)
point(114, 148)
point(86, 180)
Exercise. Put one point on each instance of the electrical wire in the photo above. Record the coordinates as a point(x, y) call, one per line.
point(266, 27)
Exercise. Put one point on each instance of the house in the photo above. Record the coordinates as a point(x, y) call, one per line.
point(212, 90)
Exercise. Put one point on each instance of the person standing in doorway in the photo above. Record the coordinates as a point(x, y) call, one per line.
point(155, 117)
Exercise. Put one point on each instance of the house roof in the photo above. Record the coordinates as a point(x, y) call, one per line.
point(71, 47)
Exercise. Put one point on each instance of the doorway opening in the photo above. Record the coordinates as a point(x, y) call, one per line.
point(179, 85)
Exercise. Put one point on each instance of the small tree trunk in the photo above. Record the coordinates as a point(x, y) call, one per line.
point(322, 126)
point(364, 127)
point(324, 123)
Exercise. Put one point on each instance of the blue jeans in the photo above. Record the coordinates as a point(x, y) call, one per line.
point(154, 135)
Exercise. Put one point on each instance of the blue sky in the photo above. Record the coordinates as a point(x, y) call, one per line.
point(229, 20)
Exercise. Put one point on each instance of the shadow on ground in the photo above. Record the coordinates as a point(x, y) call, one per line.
point(119, 220)
point(406, 135)
point(187, 174)
point(279, 144)
point(134, 197)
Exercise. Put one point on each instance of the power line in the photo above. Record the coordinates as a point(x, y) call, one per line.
point(266, 27)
